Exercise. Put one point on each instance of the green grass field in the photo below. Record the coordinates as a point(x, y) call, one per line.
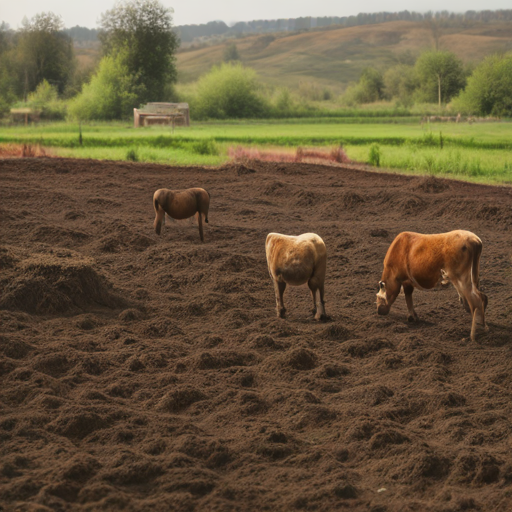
point(479, 152)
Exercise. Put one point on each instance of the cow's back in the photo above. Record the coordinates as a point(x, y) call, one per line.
point(418, 258)
point(293, 258)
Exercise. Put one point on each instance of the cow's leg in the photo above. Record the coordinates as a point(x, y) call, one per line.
point(321, 307)
point(313, 296)
point(408, 289)
point(464, 303)
point(476, 302)
point(159, 220)
point(200, 222)
point(280, 287)
point(318, 311)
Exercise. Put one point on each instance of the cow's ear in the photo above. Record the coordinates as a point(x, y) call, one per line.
point(382, 285)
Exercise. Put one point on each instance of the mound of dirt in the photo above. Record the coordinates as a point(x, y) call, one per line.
point(58, 283)
point(431, 185)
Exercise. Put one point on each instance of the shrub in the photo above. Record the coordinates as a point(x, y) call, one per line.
point(229, 91)
point(313, 92)
point(374, 155)
point(231, 53)
point(132, 155)
point(205, 147)
point(400, 81)
point(46, 99)
point(489, 88)
point(284, 103)
point(111, 93)
point(370, 88)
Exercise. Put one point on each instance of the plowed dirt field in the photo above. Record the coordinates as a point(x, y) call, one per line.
point(151, 373)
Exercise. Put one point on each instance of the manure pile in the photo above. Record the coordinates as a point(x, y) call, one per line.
point(151, 373)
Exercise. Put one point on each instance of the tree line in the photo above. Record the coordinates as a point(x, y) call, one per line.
point(440, 77)
point(138, 45)
point(38, 69)
point(188, 33)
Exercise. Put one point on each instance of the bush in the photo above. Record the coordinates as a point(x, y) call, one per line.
point(313, 92)
point(111, 94)
point(205, 147)
point(489, 88)
point(284, 105)
point(369, 89)
point(231, 53)
point(374, 155)
point(229, 91)
point(46, 99)
point(400, 81)
point(132, 155)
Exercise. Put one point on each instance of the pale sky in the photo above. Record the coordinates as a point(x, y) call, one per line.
point(86, 13)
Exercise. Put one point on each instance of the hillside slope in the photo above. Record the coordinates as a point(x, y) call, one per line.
point(337, 56)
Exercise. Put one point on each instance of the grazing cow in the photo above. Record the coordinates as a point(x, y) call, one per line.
point(296, 260)
point(420, 261)
point(181, 204)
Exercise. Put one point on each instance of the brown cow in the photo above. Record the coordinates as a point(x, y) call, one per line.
point(296, 260)
point(181, 204)
point(420, 261)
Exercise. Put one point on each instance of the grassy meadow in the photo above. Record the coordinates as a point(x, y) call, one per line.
point(480, 152)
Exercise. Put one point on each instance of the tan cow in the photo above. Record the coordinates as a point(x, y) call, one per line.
point(181, 204)
point(420, 261)
point(296, 260)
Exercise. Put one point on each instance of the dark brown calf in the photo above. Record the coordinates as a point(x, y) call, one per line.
point(181, 204)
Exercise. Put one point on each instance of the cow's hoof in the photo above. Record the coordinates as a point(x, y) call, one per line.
point(412, 318)
point(321, 318)
point(281, 313)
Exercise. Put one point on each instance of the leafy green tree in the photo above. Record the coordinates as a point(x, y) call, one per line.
point(111, 94)
point(231, 53)
point(141, 30)
point(441, 75)
point(372, 85)
point(370, 88)
point(229, 91)
point(46, 99)
point(9, 82)
point(45, 52)
point(489, 88)
point(400, 81)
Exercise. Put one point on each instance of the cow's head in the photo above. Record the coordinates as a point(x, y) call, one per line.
point(382, 300)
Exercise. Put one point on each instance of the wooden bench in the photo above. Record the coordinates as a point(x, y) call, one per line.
point(25, 113)
point(168, 114)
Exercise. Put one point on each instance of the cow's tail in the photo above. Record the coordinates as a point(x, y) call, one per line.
point(206, 216)
point(475, 265)
point(475, 280)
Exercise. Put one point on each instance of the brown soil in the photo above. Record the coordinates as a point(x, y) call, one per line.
point(151, 373)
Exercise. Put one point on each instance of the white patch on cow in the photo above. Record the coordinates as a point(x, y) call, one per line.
point(445, 278)
point(381, 296)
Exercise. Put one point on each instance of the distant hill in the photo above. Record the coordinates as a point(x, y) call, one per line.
point(191, 33)
point(336, 56)
point(327, 52)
